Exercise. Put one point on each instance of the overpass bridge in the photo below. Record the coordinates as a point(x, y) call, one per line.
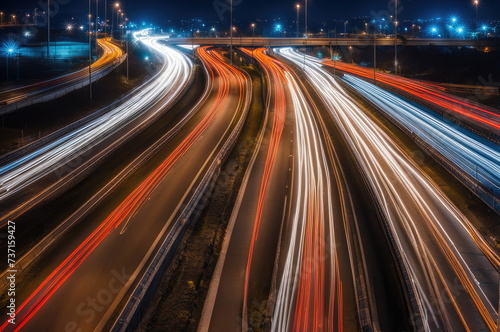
point(357, 41)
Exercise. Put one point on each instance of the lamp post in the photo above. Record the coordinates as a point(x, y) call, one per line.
point(1, 18)
point(345, 29)
point(298, 17)
point(476, 4)
point(90, 53)
point(48, 29)
point(253, 30)
point(306, 19)
point(396, 38)
point(116, 6)
point(96, 19)
point(231, 31)
point(9, 52)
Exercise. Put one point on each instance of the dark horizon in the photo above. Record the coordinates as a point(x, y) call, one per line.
point(216, 10)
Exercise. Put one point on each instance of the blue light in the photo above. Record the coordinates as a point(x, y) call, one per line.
point(453, 19)
point(9, 47)
point(460, 30)
point(485, 27)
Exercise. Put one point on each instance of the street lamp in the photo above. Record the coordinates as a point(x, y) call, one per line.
point(9, 52)
point(345, 29)
point(306, 19)
point(116, 6)
point(476, 4)
point(298, 16)
point(253, 30)
point(231, 31)
point(90, 52)
point(48, 29)
point(396, 37)
point(1, 18)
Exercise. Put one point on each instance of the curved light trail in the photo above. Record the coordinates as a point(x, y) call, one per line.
point(481, 115)
point(127, 209)
point(446, 269)
point(310, 289)
point(111, 53)
point(476, 156)
point(166, 85)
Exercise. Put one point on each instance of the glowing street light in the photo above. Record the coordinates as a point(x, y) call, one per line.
point(298, 18)
point(1, 18)
point(476, 4)
point(9, 52)
point(69, 27)
point(253, 30)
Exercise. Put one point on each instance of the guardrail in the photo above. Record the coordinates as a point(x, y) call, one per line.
point(487, 195)
point(61, 92)
point(131, 314)
point(81, 172)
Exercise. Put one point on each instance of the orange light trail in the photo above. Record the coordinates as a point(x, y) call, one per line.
point(483, 116)
point(134, 200)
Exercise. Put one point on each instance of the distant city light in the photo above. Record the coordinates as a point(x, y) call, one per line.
point(69, 27)
point(27, 34)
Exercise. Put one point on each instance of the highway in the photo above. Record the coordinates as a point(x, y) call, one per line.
point(470, 153)
point(96, 138)
point(359, 40)
point(112, 54)
point(281, 268)
point(450, 283)
point(254, 218)
point(89, 277)
point(479, 116)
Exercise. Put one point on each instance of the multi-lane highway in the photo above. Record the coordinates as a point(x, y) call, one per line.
point(450, 283)
point(466, 151)
point(112, 55)
point(90, 268)
point(47, 166)
point(282, 255)
point(479, 116)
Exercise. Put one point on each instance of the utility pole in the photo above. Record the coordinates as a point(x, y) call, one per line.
point(374, 55)
point(306, 19)
point(298, 19)
point(48, 29)
point(127, 59)
point(90, 51)
point(396, 38)
point(105, 18)
point(231, 31)
point(96, 19)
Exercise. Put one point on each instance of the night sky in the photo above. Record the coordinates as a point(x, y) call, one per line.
point(245, 10)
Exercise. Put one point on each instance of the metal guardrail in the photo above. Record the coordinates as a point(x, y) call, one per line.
point(61, 92)
point(487, 195)
point(131, 314)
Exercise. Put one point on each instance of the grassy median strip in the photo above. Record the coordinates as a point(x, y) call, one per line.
point(180, 296)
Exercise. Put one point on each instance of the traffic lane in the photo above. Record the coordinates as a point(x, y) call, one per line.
point(80, 157)
point(228, 307)
point(111, 52)
point(135, 241)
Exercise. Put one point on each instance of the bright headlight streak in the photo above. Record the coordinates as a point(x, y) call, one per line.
point(167, 83)
point(409, 200)
point(310, 292)
point(462, 148)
